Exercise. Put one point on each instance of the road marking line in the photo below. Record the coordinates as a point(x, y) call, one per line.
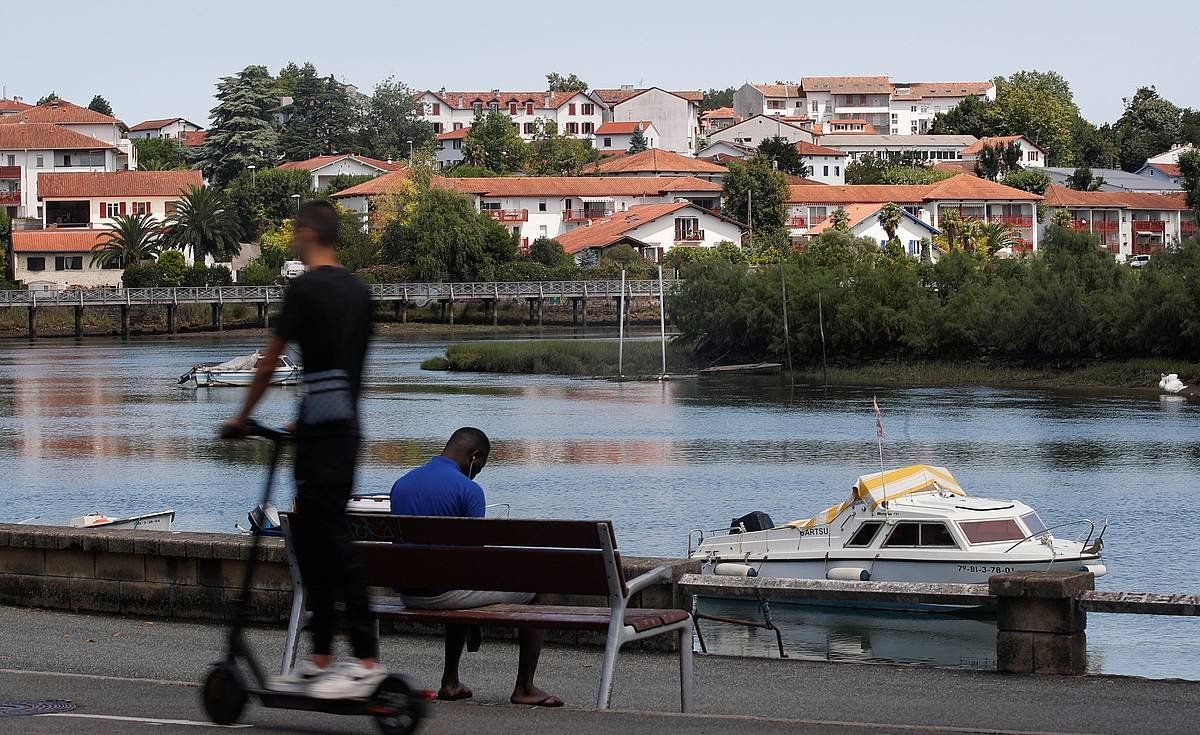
point(68, 675)
point(145, 720)
point(964, 729)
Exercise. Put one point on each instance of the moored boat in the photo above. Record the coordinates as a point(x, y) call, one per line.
point(912, 524)
point(240, 372)
point(160, 521)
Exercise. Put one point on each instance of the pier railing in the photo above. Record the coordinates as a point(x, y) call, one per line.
point(418, 293)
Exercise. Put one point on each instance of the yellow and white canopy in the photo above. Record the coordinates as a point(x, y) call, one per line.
point(880, 487)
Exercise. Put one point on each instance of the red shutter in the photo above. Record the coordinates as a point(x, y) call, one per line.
point(147, 207)
point(103, 210)
point(122, 207)
point(571, 109)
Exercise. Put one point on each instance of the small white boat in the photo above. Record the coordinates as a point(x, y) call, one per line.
point(913, 524)
point(1170, 383)
point(160, 521)
point(240, 372)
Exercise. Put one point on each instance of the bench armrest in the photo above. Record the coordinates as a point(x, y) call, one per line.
point(642, 581)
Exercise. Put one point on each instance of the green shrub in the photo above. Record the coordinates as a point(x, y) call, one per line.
point(173, 268)
point(142, 275)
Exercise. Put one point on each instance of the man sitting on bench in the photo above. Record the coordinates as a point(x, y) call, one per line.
point(445, 486)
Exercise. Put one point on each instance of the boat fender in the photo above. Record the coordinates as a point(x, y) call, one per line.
point(727, 569)
point(1097, 569)
point(848, 574)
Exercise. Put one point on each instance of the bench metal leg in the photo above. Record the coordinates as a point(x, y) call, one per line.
point(293, 632)
point(686, 685)
point(611, 648)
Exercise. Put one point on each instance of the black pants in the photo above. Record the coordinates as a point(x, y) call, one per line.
point(329, 564)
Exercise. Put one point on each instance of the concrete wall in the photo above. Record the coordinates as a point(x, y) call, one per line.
point(675, 118)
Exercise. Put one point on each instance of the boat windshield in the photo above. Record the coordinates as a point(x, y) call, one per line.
point(983, 532)
point(1034, 523)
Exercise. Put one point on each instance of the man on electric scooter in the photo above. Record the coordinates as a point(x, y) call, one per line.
point(327, 312)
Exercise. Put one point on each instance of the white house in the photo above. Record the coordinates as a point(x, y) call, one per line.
point(914, 105)
point(325, 169)
point(863, 220)
point(1032, 156)
point(653, 229)
point(655, 162)
point(752, 131)
point(676, 115)
point(616, 137)
point(31, 150)
point(575, 113)
point(175, 128)
point(932, 148)
point(93, 199)
point(827, 165)
point(84, 121)
point(785, 100)
point(717, 119)
point(450, 146)
point(723, 151)
point(1165, 166)
point(55, 259)
point(1127, 223)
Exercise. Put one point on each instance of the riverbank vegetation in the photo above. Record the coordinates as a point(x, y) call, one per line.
point(1070, 305)
point(563, 357)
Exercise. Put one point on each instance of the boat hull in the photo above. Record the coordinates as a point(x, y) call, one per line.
point(957, 571)
point(243, 378)
point(160, 521)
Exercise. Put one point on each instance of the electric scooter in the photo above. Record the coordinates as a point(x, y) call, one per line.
point(398, 707)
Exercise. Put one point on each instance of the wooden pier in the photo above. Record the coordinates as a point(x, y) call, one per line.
point(401, 295)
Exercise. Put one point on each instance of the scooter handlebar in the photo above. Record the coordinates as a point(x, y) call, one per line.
point(254, 429)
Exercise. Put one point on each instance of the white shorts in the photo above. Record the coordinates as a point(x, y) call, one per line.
point(466, 599)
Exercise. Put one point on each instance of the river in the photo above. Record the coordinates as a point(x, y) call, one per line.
point(103, 426)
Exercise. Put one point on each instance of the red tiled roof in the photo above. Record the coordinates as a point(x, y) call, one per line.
point(805, 148)
point(454, 134)
point(7, 105)
point(1062, 196)
point(154, 124)
point(61, 112)
point(801, 181)
point(116, 184)
point(617, 96)
point(656, 161)
point(194, 138)
point(971, 187)
point(847, 85)
point(541, 100)
point(963, 187)
point(312, 164)
point(576, 186)
point(622, 128)
point(962, 167)
point(609, 230)
point(855, 212)
point(920, 90)
point(1167, 169)
point(45, 137)
point(721, 113)
point(996, 140)
point(779, 90)
point(57, 240)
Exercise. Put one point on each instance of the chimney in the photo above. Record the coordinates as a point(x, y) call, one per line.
point(495, 93)
point(626, 87)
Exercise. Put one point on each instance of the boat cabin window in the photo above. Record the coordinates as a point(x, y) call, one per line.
point(865, 534)
point(982, 532)
point(1034, 523)
point(920, 534)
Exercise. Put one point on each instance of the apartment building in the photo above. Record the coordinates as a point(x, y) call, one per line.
point(896, 108)
point(549, 206)
point(970, 196)
point(932, 148)
point(84, 121)
point(826, 165)
point(676, 115)
point(575, 113)
point(1127, 223)
point(175, 128)
point(29, 151)
point(324, 169)
point(616, 137)
point(653, 230)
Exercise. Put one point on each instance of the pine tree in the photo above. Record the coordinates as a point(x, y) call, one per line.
point(241, 132)
point(637, 141)
point(99, 104)
point(322, 118)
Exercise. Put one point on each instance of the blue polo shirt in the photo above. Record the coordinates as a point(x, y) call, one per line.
point(437, 488)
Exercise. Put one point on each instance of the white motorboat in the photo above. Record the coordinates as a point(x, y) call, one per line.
point(240, 372)
point(913, 524)
point(160, 521)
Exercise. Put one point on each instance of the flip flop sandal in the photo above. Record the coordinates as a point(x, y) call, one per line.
point(464, 694)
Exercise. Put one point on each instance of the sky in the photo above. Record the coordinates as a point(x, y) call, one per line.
point(164, 60)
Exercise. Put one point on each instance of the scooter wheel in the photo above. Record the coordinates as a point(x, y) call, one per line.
point(224, 694)
point(398, 708)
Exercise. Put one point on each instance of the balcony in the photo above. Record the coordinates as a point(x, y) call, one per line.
point(797, 223)
point(1096, 225)
point(1188, 227)
point(690, 236)
point(583, 215)
point(10, 198)
point(508, 215)
point(1014, 221)
point(1021, 245)
point(10, 172)
point(819, 218)
point(1149, 226)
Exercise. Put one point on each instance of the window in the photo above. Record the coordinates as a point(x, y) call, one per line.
point(573, 128)
point(837, 170)
point(477, 108)
point(12, 159)
point(115, 264)
point(1033, 156)
point(39, 161)
point(512, 108)
point(435, 109)
point(774, 104)
point(936, 534)
point(589, 127)
point(437, 128)
point(587, 108)
point(528, 108)
point(68, 263)
point(171, 207)
point(489, 205)
point(814, 106)
point(982, 532)
point(1034, 523)
point(37, 263)
point(608, 142)
point(66, 160)
point(865, 534)
point(571, 109)
point(542, 206)
point(457, 145)
point(688, 229)
point(529, 128)
point(494, 106)
point(920, 534)
point(826, 171)
point(140, 208)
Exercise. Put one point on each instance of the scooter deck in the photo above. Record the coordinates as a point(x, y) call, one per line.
point(297, 701)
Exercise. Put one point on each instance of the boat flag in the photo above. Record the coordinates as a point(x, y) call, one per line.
point(878, 419)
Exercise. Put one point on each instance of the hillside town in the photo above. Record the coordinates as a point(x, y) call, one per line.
point(91, 201)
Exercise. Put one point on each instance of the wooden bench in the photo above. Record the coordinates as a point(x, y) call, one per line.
point(507, 555)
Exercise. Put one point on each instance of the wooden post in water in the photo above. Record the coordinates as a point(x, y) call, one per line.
point(32, 323)
point(495, 305)
point(124, 321)
point(621, 331)
point(662, 322)
point(171, 309)
point(78, 322)
point(787, 336)
point(450, 311)
point(539, 312)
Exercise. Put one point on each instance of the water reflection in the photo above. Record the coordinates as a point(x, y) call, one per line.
point(103, 426)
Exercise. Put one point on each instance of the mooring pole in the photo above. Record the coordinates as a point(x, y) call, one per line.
point(621, 331)
point(662, 321)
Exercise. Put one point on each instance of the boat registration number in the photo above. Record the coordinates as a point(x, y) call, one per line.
point(983, 569)
point(814, 532)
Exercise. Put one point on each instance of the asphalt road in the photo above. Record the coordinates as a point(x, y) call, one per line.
point(128, 675)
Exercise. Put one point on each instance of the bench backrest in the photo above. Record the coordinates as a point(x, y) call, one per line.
point(506, 555)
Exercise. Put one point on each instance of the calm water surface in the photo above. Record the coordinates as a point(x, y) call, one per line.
point(104, 427)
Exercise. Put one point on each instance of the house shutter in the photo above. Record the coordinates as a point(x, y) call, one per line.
point(103, 210)
point(122, 207)
point(147, 210)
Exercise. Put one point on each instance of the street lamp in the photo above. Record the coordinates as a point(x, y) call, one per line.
point(410, 152)
point(253, 177)
point(297, 198)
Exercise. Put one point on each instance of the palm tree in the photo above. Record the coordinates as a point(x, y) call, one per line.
point(993, 236)
point(840, 220)
point(890, 217)
point(204, 222)
point(133, 239)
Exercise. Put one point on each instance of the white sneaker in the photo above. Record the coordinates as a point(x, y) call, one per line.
point(301, 677)
point(348, 680)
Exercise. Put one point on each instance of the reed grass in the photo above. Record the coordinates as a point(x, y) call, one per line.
point(563, 357)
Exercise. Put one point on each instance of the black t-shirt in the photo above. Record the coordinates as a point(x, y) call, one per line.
point(327, 312)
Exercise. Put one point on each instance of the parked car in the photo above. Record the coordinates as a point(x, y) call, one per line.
point(292, 269)
point(1137, 261)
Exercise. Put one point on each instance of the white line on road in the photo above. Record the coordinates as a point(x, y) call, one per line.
point(144, 720)
point(68, 675)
